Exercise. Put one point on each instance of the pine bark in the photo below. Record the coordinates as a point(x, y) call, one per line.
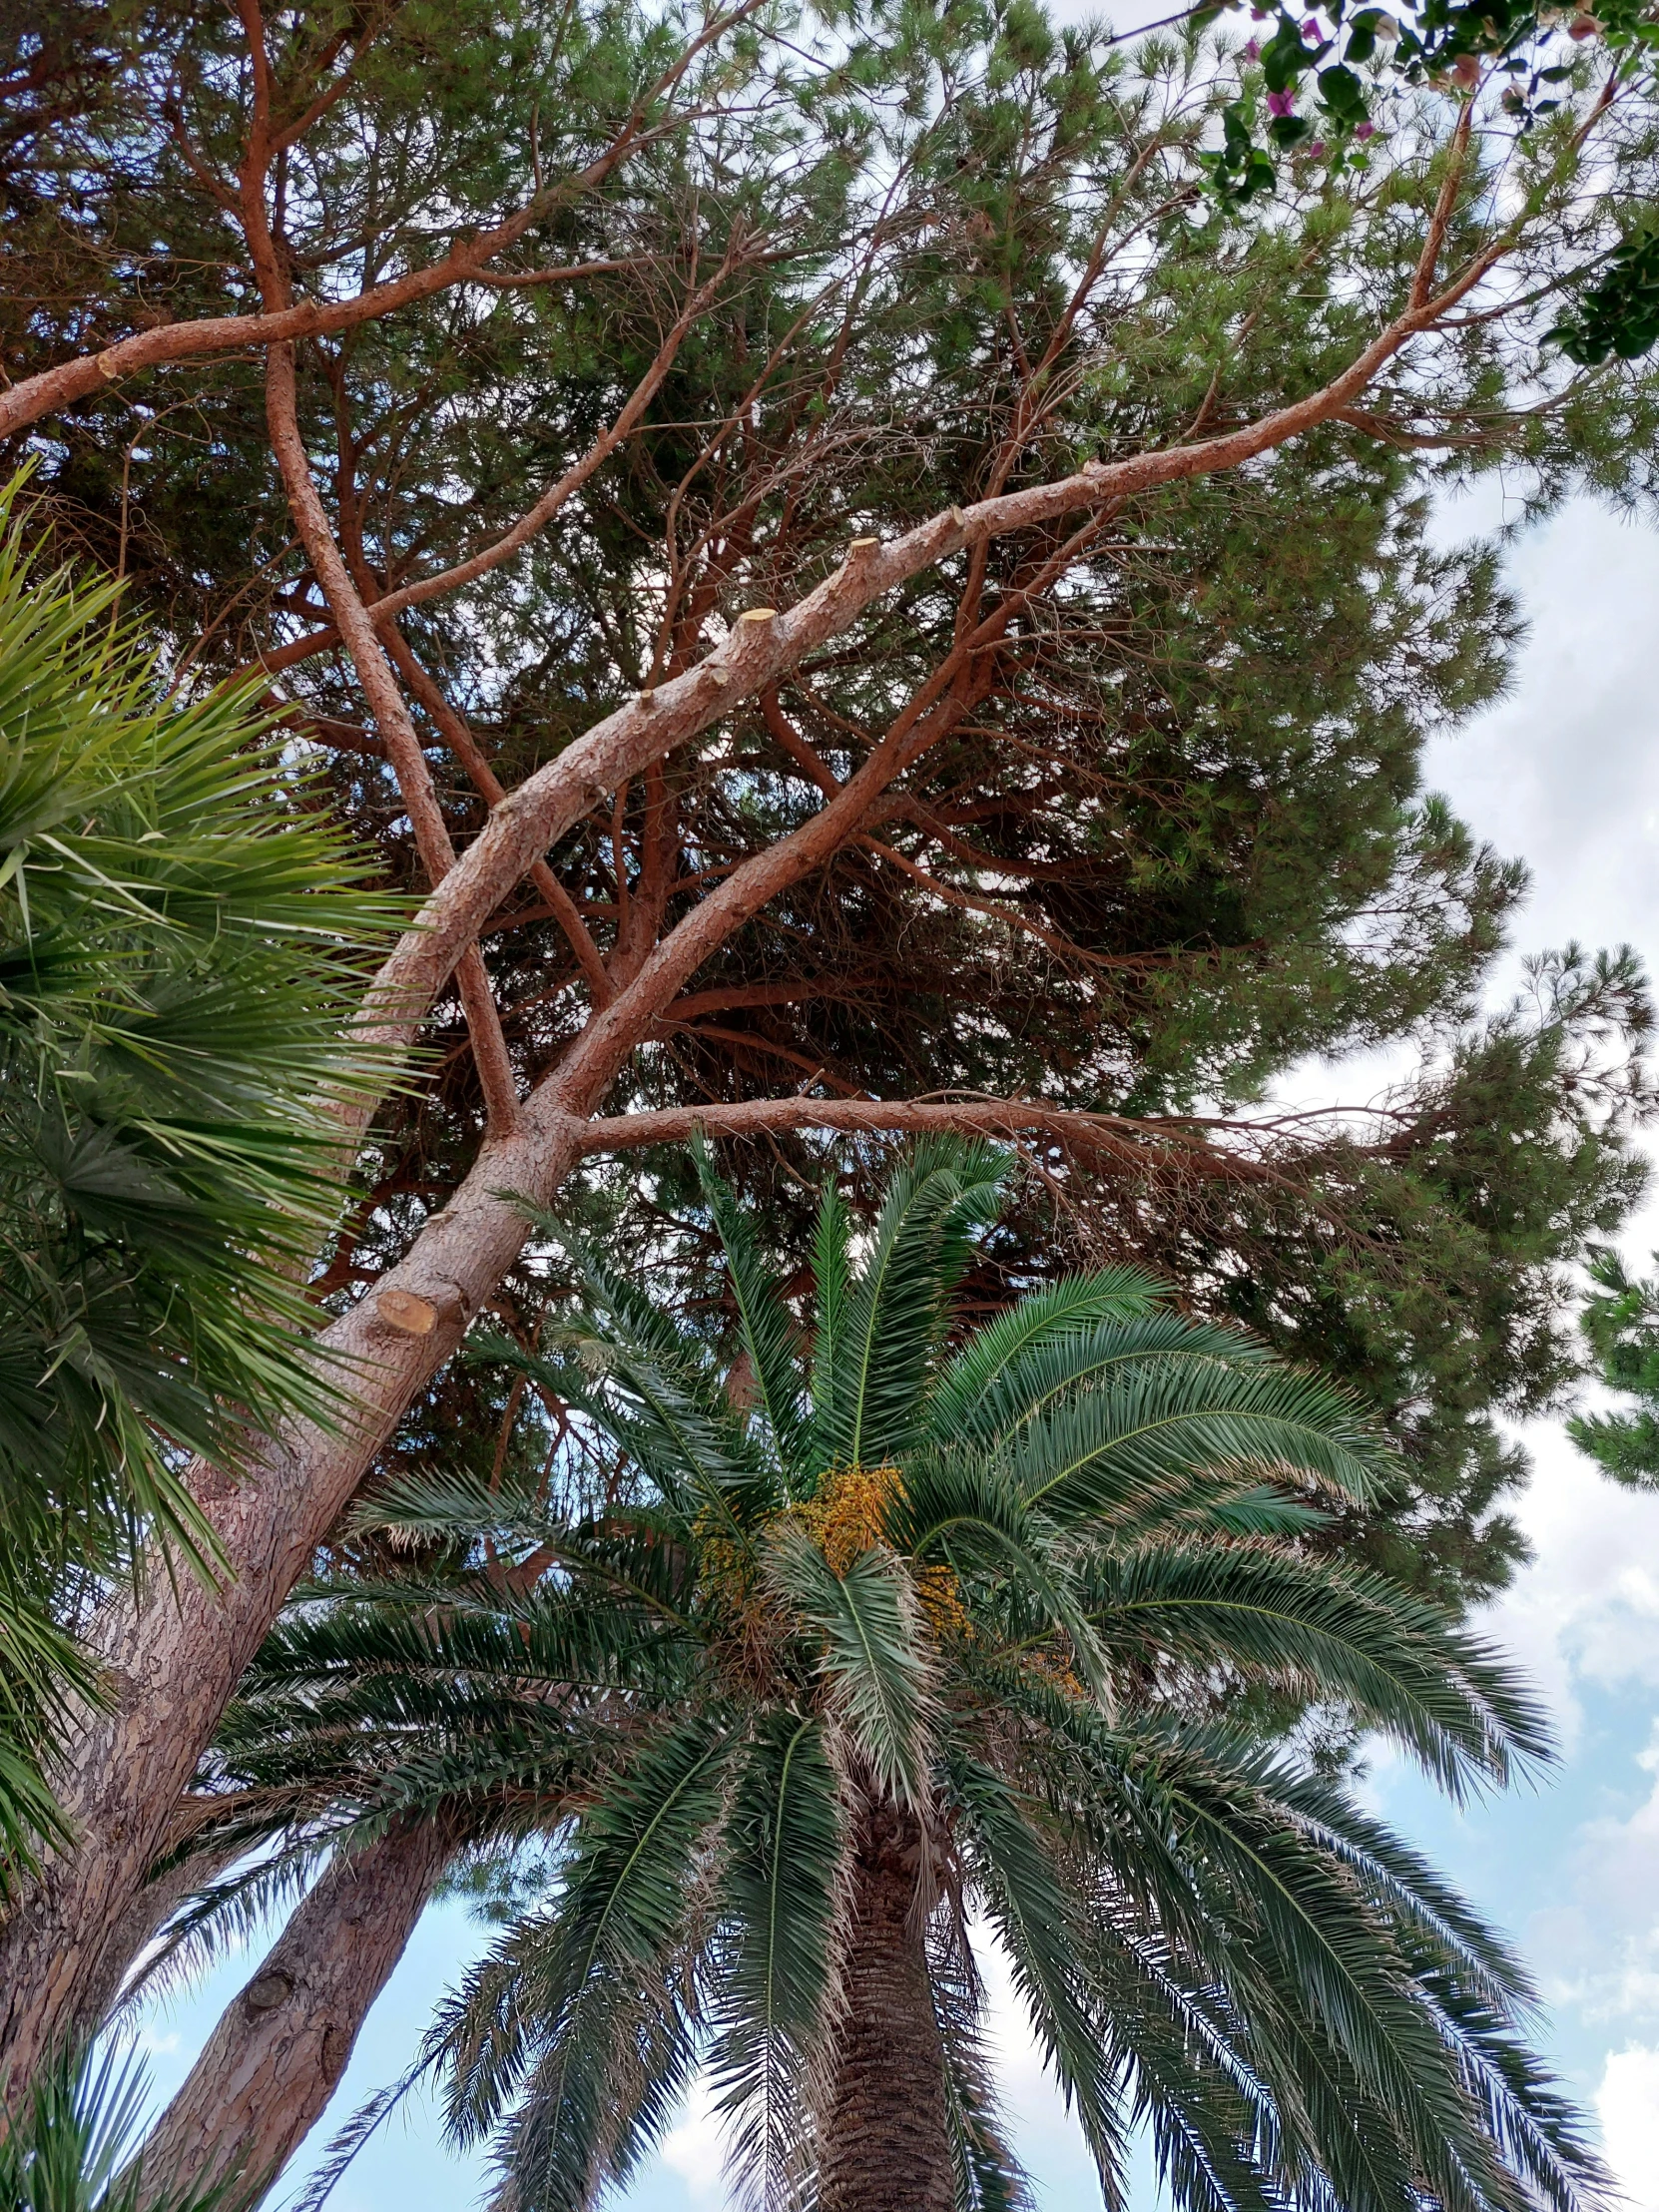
point(885, 2140)
point(107, 1984)
point(281, 2045)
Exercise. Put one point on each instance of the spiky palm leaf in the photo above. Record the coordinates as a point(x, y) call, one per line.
point(182, 946)
point(1017, 1638)
point(70, 2144)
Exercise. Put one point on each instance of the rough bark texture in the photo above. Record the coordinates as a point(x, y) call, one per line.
point(279, 2051)
point(885, 2142)
point(105, 1984)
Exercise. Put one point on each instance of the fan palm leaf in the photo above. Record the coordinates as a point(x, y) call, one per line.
point(70, 2145)
point(183, 943)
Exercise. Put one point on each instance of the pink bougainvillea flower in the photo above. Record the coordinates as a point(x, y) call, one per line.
point(1280, 103)
point(1253, 50)
point(1316, 150)
point(1311, 29)
point(1364, 129)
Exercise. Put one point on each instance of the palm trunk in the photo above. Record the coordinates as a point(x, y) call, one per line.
point(280, 2046)
point(885, 2140)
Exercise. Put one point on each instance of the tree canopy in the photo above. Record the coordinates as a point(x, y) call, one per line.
point(1175, 840)
point(869, 590)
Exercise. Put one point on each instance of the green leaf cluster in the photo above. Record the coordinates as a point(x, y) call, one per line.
point(1620, 1321)
point(1619, 312)
point(1353, 65)
point(183, 943)
point(69, 2145)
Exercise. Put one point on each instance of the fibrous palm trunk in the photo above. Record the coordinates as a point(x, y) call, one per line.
point(279, 2051)
point(884, 2145)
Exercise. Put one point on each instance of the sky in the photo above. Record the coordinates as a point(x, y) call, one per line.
point(1564, 771)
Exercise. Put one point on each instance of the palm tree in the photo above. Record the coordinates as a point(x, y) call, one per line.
point(182, 946)
point(890, 1630)
point(69, 2147)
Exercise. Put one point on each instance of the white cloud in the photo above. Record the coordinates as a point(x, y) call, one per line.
point(1563, 771)
point(694, 2148)
point(1628, 2105)
point(1599, 1947)
point(1587, 1607)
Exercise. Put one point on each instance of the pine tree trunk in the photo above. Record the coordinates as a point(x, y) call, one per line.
point(101, 1989)
point(884, 2144)
point(281, 2045)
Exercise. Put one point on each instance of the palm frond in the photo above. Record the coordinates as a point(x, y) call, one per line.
point(72, 2143)
point(897, 1310)
point(359, 2129)
point(656, 1392)
point(1327, 1978)
point(874, 1659)
point(765, 1324)
point(597, 2104)
point(1034, 1912)
point(184, 941)
point(988, 2176)
point(1136, 1451)
point(1215, 2132)
point(781, 1906)
point(968, 1511)
point(1007, 1368)
point(1319, 1631)
point(558, 1994)
point(832, 1287)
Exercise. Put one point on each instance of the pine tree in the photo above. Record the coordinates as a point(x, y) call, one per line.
point(961, 658)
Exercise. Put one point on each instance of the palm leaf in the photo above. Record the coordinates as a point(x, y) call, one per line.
point(833, 1286)
point(556, 2009)
point(898, 1306)
point(988, 2176)
point(69, 2144)
point(765, 1324)
point(1133, 1452)
point(967, 1510)
point(1321, 1632)
point(996, 1379)
point(1033, 1909)
point(779, 1903)
point(873, 1655)
point(658, 1397)
point(1315, 1948)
